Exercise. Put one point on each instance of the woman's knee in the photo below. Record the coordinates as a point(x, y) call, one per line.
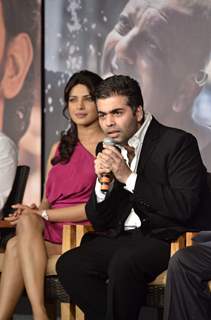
point(11, 247)
point(29, 223)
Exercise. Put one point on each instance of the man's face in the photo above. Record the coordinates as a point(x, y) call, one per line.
point(117, 119)
point(151, 43)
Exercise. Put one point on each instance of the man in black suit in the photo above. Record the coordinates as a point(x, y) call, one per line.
point(187, 295)
point(159, 184)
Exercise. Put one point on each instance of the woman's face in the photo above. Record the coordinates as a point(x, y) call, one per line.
point(81, 107)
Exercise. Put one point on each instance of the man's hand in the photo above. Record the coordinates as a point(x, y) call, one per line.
point(101, 166)
point(111, 160)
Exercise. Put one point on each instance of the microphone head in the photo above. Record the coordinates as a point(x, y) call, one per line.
point(109, 141)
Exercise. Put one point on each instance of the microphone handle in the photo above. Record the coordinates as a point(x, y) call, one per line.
point(106, 178)
point(105, 181)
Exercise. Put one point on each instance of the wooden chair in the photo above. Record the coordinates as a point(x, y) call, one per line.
point(71, 238)
point(55, 293)
point(72, 235)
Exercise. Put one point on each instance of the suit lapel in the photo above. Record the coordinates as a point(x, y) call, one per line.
point(150, 141)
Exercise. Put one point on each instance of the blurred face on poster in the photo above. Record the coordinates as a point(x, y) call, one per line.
point(19, 92)
point(165, 45)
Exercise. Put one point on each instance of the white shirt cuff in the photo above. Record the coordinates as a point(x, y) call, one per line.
point(131, 182)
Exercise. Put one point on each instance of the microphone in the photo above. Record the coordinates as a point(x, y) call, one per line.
point(106, 178)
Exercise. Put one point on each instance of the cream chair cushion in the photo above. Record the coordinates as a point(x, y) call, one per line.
point(51, 266)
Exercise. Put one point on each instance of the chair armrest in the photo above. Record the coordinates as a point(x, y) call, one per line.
point(6, 224)
point(189, 236)
point(183, 241)
point(72, 235)
point(178, 244)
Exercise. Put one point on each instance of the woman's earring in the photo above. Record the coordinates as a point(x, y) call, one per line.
point(68, 127)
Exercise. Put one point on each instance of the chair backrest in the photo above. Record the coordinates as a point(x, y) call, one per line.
point(18, 188)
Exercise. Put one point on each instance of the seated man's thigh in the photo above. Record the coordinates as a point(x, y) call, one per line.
point(142, 254)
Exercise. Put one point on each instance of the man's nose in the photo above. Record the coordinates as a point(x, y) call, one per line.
point(124, 58)
point(110, 121)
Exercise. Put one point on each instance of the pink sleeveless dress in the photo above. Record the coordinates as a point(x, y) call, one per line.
point(69, 184)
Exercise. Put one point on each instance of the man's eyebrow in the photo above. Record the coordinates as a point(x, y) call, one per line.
point(112, 111)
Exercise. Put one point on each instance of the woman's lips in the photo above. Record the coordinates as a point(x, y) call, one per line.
point(80, 115)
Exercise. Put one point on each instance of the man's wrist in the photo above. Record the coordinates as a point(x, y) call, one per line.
point(131, 181)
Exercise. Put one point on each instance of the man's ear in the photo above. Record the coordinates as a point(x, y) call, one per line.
point(139, 113)
point(187, 93)
point(18, 61)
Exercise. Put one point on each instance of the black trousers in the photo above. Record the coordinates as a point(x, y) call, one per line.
point(187, 296)
point(107, 277)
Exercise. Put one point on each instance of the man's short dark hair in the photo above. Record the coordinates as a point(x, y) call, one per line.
point(121, 85)
point(21, 16)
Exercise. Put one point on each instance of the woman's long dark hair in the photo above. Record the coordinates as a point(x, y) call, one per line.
point(69, 138)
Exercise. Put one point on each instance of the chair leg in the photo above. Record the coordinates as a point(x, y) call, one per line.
point(150, 313)
point(79, 314)
point(68, 311)
point(51, 310)
point(160, 313)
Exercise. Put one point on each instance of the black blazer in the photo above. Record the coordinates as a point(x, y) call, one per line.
point(171, 192)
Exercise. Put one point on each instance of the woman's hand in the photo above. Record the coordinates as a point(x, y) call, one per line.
point(19, 210)
point(12, 218)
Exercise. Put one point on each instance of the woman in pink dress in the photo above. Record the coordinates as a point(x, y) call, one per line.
point(70, 180)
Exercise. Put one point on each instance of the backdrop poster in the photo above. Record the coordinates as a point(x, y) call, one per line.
point(163, 44)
